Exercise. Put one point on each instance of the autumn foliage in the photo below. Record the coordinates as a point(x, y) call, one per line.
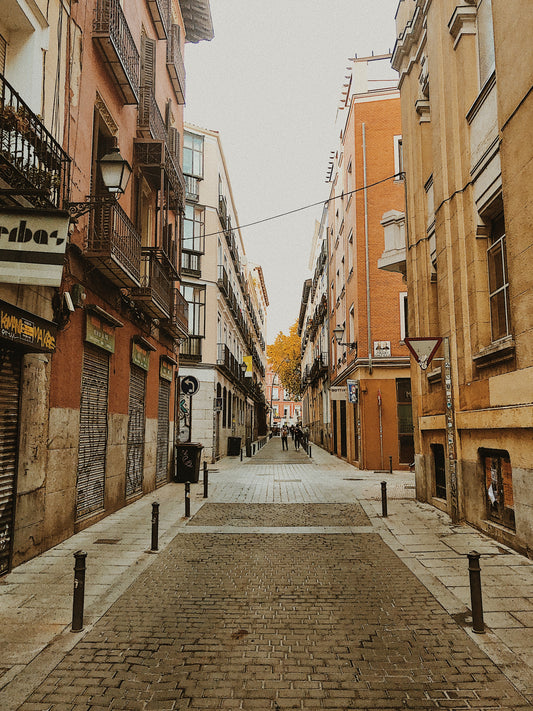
point(284, 358)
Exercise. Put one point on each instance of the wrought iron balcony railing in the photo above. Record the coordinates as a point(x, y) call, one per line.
point(192, 190)
point(32, 163)
point(112, 35)
point(160, 12)
point(114, 245)
point(175, 64)
point(191, 349)
point(155, 290)
point(178, 323)
point(149, 120)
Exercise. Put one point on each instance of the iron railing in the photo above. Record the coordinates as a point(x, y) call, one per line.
point(191, 348)
point(191, 262)
point(111, 31)
point(160, 12)
point(155, 282)
point(149, 118)
point(31, 160)
point(176, 65)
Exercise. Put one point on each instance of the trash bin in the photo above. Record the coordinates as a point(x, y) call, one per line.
point(187, 461)
point(234, 446)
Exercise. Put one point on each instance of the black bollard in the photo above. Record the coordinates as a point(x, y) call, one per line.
point(474, 571)
point(384, 499)
point(206, 481)
point(241, 454)
point(309, 451)
point(187, 499)
point(155, 526)
point(390, 465)
point(79, 591)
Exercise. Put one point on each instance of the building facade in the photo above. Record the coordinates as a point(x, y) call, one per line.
point(283, 408)
point(313, 329)
point(227, 300)
point(90, 353)
point(466, 73)
point(371, 418)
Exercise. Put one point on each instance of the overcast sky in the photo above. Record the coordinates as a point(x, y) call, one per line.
point(270, 83)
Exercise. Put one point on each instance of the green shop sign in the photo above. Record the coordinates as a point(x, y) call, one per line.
point(100, 333)
point(140, 356)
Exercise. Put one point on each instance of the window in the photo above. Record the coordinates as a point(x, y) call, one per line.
point(440, 470)
point(286, 395)
point(398, 155)
point(498, 479)
point(406, 447)
point(351, 323)
point(350, 253)
point(194, 229)
point(404, 320)
point(195, 297)
point(485, 40)
point(498, 281)
point(193, 155)
point(275, 395)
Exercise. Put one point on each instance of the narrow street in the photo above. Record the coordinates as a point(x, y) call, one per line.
point(286, 589)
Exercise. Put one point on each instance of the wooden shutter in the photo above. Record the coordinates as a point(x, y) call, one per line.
point(3, 52)
point(148, 53)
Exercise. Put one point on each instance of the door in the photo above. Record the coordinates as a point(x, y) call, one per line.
point(10, 365)
point(135, 453)
point(163, 412)
point(90, 480)
point(344, 449)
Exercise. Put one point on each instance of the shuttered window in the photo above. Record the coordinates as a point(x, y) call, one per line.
point(90, 482)
point(9, 416)
point(135, 453)
point(162, 432)
point(148, 54)
point(3, 52)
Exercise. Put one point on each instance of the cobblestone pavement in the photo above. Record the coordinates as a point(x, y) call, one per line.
point(285, 591)
point(279, 621)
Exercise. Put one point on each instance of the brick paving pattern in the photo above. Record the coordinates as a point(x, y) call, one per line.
point(275, 621)
point(280, 515)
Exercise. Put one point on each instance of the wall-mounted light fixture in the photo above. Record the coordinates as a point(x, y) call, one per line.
point(338, 332)
point(115, 171)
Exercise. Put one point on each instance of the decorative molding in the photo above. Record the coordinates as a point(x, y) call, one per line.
point(463, 22)
point(498, 352)
point(106, 115)
point(423, 109)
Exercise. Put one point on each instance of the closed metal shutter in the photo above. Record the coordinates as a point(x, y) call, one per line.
point(162, 432)
point(90, 483)
point(9, 417)
point(135, 455)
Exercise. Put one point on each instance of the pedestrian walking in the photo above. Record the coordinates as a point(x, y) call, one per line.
point(297, 437)
point(292, 432)
point(284, 435)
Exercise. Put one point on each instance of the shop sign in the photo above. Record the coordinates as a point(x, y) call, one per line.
point(26, 329)
point(382, 349)
point(32, 246)
point(165, 370)
point(247, 360)
point(100, 333)
point(338, 392)
point(140, 356)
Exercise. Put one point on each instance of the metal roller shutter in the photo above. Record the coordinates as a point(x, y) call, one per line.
point(135, 456)
point(162, 432)
point(90, 484)
point(9, 417)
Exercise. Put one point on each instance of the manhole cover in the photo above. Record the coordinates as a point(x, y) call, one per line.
point(108, 541)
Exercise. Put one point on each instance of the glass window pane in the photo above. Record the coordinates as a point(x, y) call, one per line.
point(496, 273)
point(498, 303)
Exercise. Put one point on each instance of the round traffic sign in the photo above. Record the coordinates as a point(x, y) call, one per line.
point(189, 385)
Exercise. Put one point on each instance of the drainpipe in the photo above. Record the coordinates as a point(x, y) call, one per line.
point(367, 261)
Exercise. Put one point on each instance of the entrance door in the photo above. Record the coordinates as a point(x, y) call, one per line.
point(90, 481)
point(10, 362)
point(440, 470)
point(344, 449)
point(163, 412)
point(135, 454)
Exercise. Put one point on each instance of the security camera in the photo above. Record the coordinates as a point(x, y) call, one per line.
point(68, 301)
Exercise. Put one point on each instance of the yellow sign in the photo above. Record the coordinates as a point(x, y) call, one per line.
point(26, 329)
point(247, 360)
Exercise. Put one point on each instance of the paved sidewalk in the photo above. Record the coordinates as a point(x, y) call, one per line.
point(36, 598)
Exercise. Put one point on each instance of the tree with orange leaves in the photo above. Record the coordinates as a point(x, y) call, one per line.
point(285, 358)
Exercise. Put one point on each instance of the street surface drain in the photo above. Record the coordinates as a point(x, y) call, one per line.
point(109, 541)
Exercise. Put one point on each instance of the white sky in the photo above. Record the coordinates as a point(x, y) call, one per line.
point(270, 83)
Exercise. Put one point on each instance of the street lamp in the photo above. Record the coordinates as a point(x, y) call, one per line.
point(115, 171)
point(243, 368)
point(338, 332)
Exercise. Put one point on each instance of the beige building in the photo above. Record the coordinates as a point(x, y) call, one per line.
point(466, 72)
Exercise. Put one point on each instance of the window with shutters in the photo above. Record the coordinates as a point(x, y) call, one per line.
point(148, 54)
point(3, 52)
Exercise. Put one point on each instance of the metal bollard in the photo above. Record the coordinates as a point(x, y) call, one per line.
point(253, 449)
point(187, 499)
point(390, 465)
point(241, 454)
point(206, 481)
point(384, 499)
point(79, 591)
point(309, 451)
point(155, 526)
point(474, 571)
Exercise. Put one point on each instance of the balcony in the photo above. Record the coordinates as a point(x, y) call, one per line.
point(155, 291)
point(226, 359)
point(150, 123)
point(178, 322)
point(156, 161)
point(160, 12)
point(114, 245)
point(113, 37)
point(32, 163)
point(191, 349)
point(223, 281)
point(393, 258)
point(192, 188)
point(176, 65)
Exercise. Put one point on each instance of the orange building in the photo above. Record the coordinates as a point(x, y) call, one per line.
point(284, 409)
point(371, 420)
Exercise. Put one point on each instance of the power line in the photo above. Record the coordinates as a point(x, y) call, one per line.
point(307, 207)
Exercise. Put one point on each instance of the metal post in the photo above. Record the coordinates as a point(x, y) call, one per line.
point(384, 499)
point(309, 451)
point(253, 449)
point(187, 499)
point(79, 591)
point(474, 571)
point(390, 465)
point(241, 454)
point(155, 526)
point(206, 480)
